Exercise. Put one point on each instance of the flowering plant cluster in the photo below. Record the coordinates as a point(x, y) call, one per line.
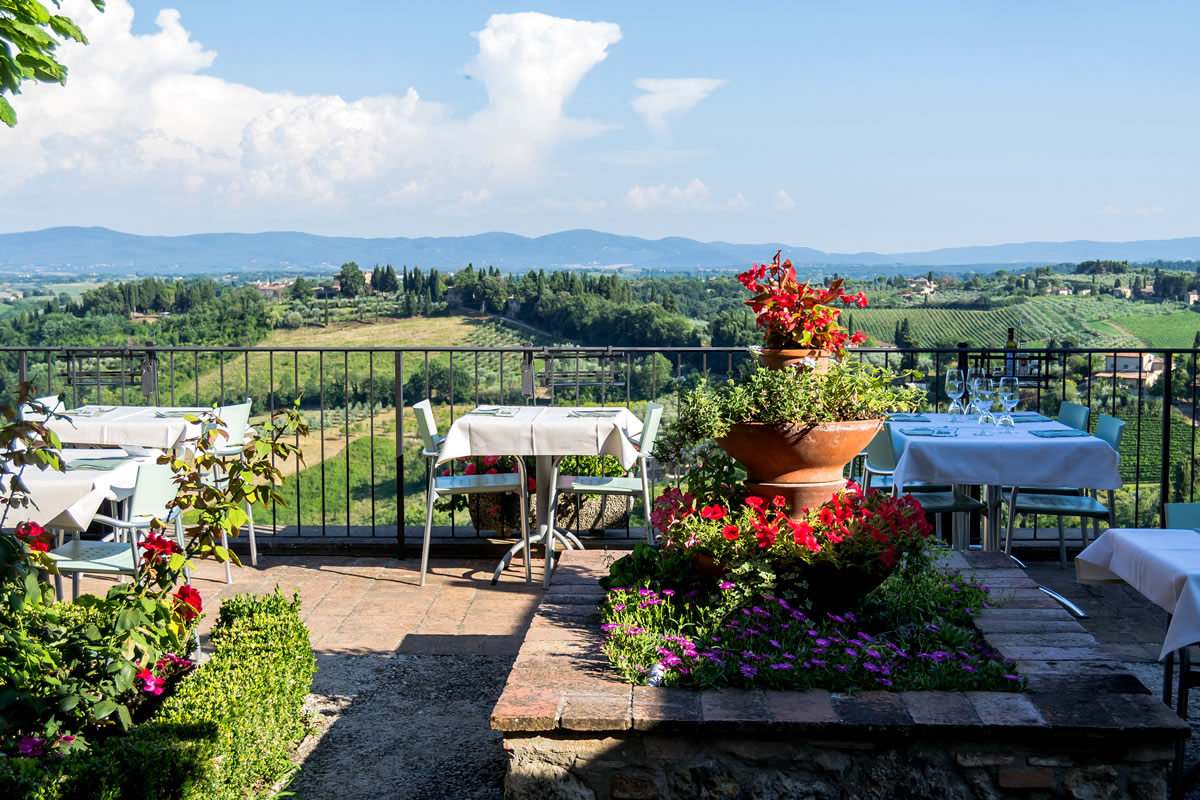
point(34, 536)
point(867, 530)
point(734, 638)
point(794, 314)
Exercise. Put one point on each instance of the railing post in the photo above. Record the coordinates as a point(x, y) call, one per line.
point(22, 368)
point(1164, 477)
point(399, 406)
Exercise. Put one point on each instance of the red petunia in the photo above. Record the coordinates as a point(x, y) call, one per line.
point(187, 602)
point(730, 532)
point(713, 512)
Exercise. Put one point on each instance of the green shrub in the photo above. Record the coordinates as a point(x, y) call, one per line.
point(227, 729)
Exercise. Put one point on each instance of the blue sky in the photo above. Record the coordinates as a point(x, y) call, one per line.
point(842, 126)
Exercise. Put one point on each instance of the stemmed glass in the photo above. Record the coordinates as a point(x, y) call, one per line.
point(955, 390)
point(974, 376)
point(1010, 398)
point(986, 392)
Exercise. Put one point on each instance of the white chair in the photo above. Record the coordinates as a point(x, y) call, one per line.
point(445, 485)
point(236, 421)
point(637, 485)
point(152, 490)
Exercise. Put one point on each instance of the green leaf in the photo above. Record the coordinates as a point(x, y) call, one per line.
point(67, 29)
point(128, 619)
point(123, 713)
point(104, 708)
point(7, 115)
point(68, 702)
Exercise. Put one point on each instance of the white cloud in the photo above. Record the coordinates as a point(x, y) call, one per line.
point(670, 97)
point(1107, 211)
point(1149, 212)
point(737, 202)
point(783, 201)
point(672, 198)
point(136, 111)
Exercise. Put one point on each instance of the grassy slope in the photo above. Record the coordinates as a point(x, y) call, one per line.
point(1177, 329)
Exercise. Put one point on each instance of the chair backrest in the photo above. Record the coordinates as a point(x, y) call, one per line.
point(650, 423)
point(52, 402)
point(427, 425)
point(1183, 515)
point(881, 453)
point(152, 491)
point(237, 420)
point(1074, 415)
point(1110, 429)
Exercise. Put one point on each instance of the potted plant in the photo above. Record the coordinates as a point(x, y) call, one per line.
point(794, 430)
point(833, 554)
point(800, 324)
point(499, 512)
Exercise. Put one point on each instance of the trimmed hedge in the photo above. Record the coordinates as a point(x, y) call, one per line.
point(227, 730)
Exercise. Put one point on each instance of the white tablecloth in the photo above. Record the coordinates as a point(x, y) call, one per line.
point(543, 431)
point(127, 426)
point(1003, 459)
point(70, 499)
point(1162, 565)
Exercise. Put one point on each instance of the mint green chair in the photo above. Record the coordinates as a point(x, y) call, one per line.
point(236, 421)
point(153, 489)
point(1023, 501)
point(1074, 415)
point(635, 485)
point(446, 485)
point(1183, 515)
point(879, 463)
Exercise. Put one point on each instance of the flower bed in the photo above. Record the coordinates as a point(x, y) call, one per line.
point(225, 729)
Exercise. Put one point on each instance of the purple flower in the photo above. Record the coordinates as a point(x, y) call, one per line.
point(645, 592)
point(816, 662)
point(968, 668)
point(869, 667)
point(774, 644)
point(30, 746)
point(669, 592)
point(1012, 677)
point(781, 666)
point(726, 585)
point(748, 670)
point(821, 641)
point(884, 681)
point(619, 607)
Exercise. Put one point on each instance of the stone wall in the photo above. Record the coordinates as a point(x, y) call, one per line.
point(1085, 729)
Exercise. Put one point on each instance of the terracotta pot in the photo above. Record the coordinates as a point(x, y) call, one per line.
point(708, 566)
point(797, 453)
point(778, 358)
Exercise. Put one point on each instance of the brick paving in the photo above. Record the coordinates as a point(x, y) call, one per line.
point(372, 606)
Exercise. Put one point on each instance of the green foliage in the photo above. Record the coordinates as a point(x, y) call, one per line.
point(29, 35)
point(226, 731)
point(351, 280)
point(847, 390)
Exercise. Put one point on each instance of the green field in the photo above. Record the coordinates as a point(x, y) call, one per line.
point(1165, 330)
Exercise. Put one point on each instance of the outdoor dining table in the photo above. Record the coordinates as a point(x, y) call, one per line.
point(147, 427)
point(548, 433)
point(1164, 567)
point(69, 500)
point(934, 449)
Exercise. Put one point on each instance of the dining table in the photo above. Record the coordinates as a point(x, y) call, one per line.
point(71, 498)
point(1162, 565)
point(548, 434)
point(148, 427)
point(1037, 452)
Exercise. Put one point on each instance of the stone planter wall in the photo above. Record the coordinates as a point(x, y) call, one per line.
point(1086, 728)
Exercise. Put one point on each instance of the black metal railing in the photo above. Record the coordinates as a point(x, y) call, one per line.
point(362, 466)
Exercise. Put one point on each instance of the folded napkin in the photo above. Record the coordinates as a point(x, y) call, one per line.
point(1029, 416)
point(593, 412)
point(88, 411)
point(500, 411)
point(908, 418)
point(99, 464)
point(929, 431)
point(179, 413)
point(1060, 434)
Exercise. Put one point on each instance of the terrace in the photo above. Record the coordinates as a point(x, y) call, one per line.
point(349, 535)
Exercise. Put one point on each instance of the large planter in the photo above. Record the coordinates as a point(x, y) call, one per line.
point(778, 358)
point(593, 513)
point(836, 589)
point(804, 463)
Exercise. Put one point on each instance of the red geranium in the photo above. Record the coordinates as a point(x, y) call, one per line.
point(794, 314)
point(187, 602)
point(35, 536)
point(157, 548)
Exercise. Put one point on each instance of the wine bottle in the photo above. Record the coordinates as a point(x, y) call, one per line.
point(1010, 358)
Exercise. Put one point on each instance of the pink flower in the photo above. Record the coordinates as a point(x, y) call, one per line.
point(470, 469)
point(151, 684)
point(30, 746)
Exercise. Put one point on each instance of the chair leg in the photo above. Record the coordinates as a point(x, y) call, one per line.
point(250, 530)
point(228, 563)
point(74, 586)
point(525, 535)
point(430, 498)
point(1062, 543)
point(646, 507)
point(1012, 516)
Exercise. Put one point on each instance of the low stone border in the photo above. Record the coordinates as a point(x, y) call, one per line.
point(1086, 728)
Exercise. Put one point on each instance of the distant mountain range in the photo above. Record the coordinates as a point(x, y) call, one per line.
point(84, 250)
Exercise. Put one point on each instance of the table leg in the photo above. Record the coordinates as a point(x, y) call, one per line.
point(991, 535)
point(547, 473)
point(960, 532)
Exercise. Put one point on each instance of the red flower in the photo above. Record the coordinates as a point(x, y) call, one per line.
point(755, 502)
point(492, 471)
point(713, 512)
point(779, 501)
point(157, 547)
point(187, 602)
point(470, 469)
point(858, 338)
point(730, 532)
point(34, 536)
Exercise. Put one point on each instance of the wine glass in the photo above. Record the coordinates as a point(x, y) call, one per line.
point(1010, 398)
point(955, 389)
point(974, 376)
point(986, 392)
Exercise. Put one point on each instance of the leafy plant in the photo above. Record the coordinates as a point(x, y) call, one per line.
point(847, 390)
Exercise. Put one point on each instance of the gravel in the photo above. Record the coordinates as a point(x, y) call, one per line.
point(403, 726)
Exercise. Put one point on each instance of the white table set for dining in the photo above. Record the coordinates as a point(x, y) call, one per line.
point(548, 433)
point(1037, 452)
